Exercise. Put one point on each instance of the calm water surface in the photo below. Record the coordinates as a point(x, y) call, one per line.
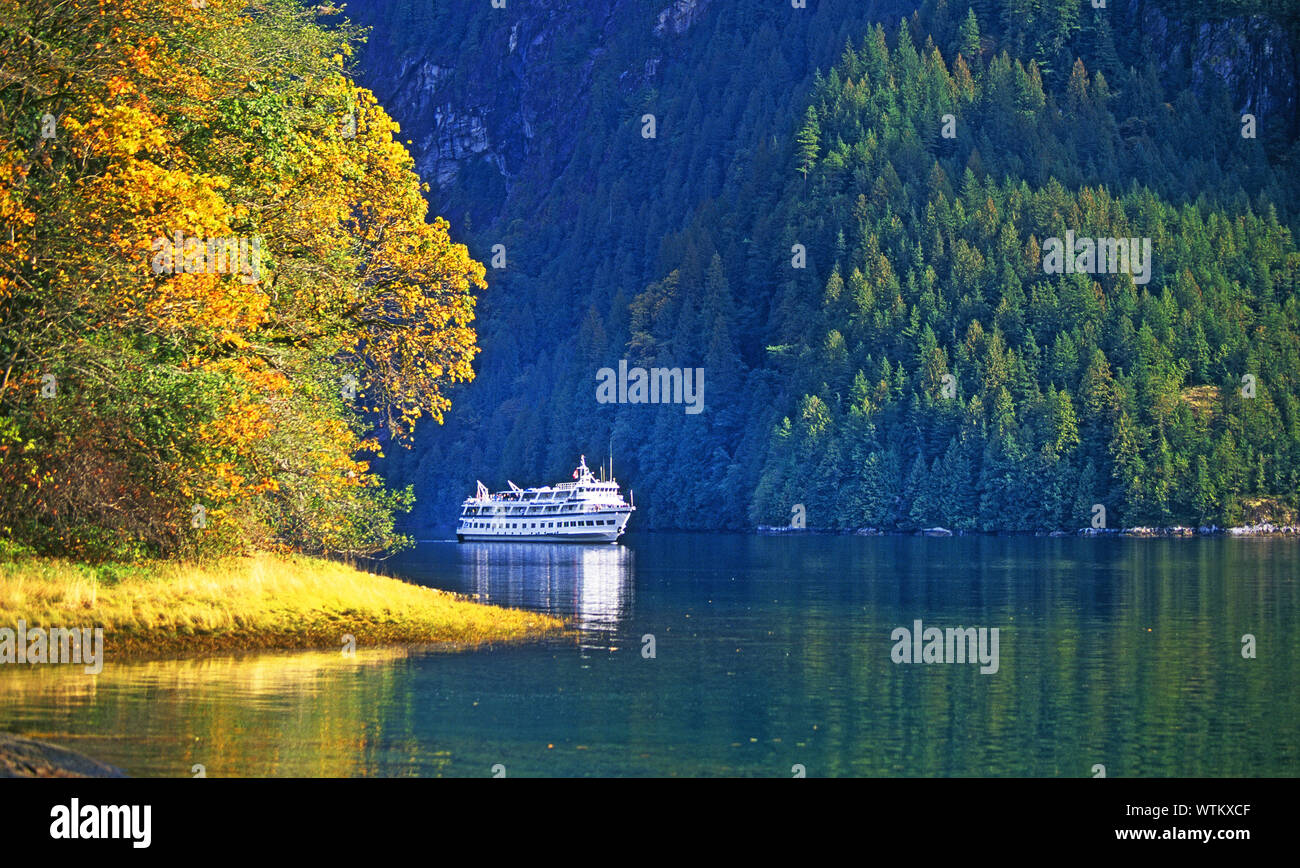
point(769, 652)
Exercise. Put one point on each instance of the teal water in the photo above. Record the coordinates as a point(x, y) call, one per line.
point(769, 653)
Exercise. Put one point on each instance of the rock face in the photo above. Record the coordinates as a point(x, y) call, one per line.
point(502, 113)
point(680, 16)
point(1254, 57)
point(27, 758)
point(488, 116)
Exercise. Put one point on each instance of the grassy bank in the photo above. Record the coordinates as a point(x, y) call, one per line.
point(239, 604)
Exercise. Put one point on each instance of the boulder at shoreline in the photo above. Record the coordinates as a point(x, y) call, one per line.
point(28, 758)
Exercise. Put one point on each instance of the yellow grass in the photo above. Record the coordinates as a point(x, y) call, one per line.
point(260, 602)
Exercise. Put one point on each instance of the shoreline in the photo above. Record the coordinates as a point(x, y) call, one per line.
point(258, 603)
point(1264, 529)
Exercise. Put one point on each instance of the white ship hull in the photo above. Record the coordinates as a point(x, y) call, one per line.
point(596, 527)
point(590, 510)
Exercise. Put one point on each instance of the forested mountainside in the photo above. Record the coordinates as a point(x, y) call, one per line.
point(922, 367)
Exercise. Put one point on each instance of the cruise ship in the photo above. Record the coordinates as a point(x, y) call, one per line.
point(588, 510)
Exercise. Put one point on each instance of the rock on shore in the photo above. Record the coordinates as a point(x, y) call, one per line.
point(27, 758)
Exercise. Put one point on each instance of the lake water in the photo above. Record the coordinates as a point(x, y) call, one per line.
point(769, 653)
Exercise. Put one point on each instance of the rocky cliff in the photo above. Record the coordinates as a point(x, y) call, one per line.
point(1253, 56)
point(502, 101)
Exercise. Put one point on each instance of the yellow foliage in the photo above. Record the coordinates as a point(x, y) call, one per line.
point(207, 126)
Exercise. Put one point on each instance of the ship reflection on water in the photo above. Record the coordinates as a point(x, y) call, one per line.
point(589, 585)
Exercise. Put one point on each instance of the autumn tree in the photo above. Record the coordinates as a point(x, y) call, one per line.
point(219, 289)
